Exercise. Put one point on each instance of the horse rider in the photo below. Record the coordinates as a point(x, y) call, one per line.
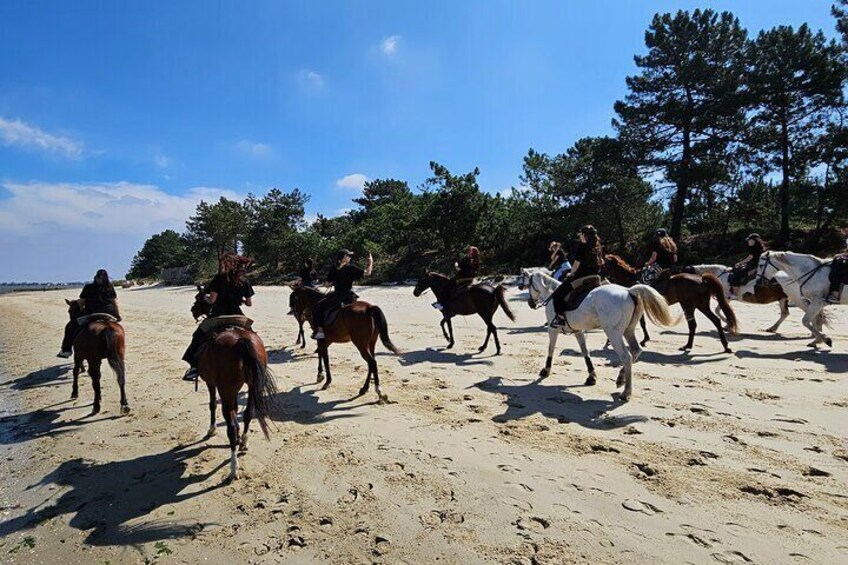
point(838, 275)
point(228, 290)
point(588, 259)
point(559, 265)
point(465, 271)
point(308, 276)
point(98, 297)
point(663, 251)
point(744, 268)
point(341, 276)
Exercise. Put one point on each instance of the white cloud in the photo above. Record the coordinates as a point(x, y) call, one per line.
point(161, 161)
point(311, 81)
point(389, 45)
point(98, 209)
point(20, 134)
point(254, 149)
point(354, 181)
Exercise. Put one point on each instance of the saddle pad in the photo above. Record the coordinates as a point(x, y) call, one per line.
point(331, 315)
point(581, 288)
point(211, 324)
point(83, 320)
point(592, 280)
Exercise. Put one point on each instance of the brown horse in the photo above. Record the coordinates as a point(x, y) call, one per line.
point(362, 323)
point(693, 292)
point(304, 299)
point(481, 299)
point(98, 340)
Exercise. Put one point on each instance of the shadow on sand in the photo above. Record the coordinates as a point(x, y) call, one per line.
point(302, 405)
point(431, 355)
point(49, 376)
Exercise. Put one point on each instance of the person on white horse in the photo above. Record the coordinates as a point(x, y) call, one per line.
point(560, 265)
point(744, 268)
point(838, 275)
point(588, 259)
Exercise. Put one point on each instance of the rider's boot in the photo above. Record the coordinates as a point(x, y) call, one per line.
point(318, 333)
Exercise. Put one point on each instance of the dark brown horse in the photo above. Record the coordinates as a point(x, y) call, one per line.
point(481, 299)
point(362, 323)
point(200, 308)
point(693, 292)
point(304, 299)
point(98, 340)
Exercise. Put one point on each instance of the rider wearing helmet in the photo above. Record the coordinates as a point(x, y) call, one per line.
point(588, 259)
point(99, 297)
point(663, 251)
point(838, 275)
point(743, 268)
point(341, 275)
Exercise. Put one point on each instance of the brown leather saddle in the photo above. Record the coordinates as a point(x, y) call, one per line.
point(220, 323)
point(99, 317)
point(580, 289)
point(333, 313)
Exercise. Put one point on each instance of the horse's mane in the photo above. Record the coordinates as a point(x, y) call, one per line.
point(800, 256)
point(621, 263)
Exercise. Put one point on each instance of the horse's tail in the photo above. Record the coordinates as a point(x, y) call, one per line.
point(825, 318)
point(113, 354)
point(499, 294)
point(263, 387)
point(383, 327)
point(655, 306)
point(717, 290)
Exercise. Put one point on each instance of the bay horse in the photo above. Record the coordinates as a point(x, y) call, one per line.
point(230, 358)
point(611, 307)
point(98, 340)
point(755, 291)
point(362, 323)
point(481, 299)
point(692, 292)
point(304, 299)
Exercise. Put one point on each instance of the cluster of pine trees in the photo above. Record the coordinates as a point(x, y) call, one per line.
point(720, 133)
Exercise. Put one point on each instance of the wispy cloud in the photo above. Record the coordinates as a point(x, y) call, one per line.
point(254, 149)
point(98, 208)
point(20, 134)
point(354, 181)
point(311, 81)
point(161, 161)
point(389, 45)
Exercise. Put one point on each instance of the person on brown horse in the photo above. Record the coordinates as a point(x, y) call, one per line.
point(341, 276)
point(747, 267)
point(97, 297)
point(838, 276)
point(588, 259)
point(308, 277)
point(466, 269)
point(228, 290)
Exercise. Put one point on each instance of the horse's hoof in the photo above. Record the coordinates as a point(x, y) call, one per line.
point(828, 342)
point(95, 410)
point(813, 344)
point(728, 350)
point(125, 409)
point(320, 378)
point(449, 346)
point(74, 395)
point(624, 397)
point(326, 386)
point(643, 342)
point(770, 330)
point(211, 432)
point(363, 390)
point(242, 448)
point(591, 381)
point(543, 373)
point(384, 399)
point(685, 348)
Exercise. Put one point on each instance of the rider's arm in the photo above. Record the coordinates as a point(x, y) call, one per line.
point(370, 266)
point(746, 260)
point(575, 266)
point(211, 297)
point(248, 301)
point(653, 259)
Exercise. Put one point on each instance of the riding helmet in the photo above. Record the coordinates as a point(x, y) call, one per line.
point(754, 236)
point(662, 232)
point(342, 253)
point(588, 230)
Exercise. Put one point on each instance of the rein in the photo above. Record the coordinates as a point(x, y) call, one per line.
point(801, 279)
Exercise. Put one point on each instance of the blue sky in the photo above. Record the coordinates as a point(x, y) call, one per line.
point(117, 117)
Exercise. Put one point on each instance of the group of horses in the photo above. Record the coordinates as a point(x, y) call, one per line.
point(234, 355)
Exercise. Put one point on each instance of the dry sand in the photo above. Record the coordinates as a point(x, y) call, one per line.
point(721, 458)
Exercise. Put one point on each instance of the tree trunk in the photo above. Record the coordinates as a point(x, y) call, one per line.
point(784, 185)
point(679, 203)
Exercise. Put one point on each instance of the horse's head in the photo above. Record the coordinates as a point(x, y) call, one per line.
point(200, 307)
point(74, 308)
point(535, 285)
point(422, 285)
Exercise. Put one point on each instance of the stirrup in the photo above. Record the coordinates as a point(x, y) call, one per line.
point(190, 374)
point(437, 306)
point(833, 299)
point(318, 334)
point(558, 321)
point(64, 354)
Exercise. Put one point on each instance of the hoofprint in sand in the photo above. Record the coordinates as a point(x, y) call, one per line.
point(720, 458)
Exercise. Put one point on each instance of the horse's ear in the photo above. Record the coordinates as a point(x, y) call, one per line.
point(68, 302)
point(199, 289)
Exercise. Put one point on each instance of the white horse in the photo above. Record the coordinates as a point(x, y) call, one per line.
point(722, 273)
point(810, 275)
point(610, 307)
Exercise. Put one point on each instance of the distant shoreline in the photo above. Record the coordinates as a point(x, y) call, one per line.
point(8, 288)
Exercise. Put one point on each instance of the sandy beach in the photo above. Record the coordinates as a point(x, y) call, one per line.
point(718, 458)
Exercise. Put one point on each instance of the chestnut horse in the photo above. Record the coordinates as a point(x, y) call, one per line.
point(362, 323)
point(693, 292)
point(304, 299)
point(98, 340)
point(481, 299)
point(230, 358)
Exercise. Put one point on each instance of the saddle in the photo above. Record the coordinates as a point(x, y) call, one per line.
point(580, 288)
point(99, 317)
point(333, 313)
point(210, 325)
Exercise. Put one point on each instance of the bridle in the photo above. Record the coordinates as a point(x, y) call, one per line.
point(801, 279)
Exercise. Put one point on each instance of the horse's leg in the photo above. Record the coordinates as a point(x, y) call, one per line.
point(384, 398)
point(810, 320)
point(325, 353)
point(368, 356)
point(633, 343)
point(689, 312)
point(625, 375)
point(784, 313)
point(488, 333)
point(77, 370)
point(450, 329)
point(229, 407)
point(584, 349)
point(444, 331)
point(644, 331)
point(320, 364)
point(212, 406)
point(94, 373)
point(552, 340)
point(705, 310)
point(246, 416)
point(299, 331)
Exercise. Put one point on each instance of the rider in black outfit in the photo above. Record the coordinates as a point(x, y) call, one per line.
point(308, 276)
point(228, 290)
point(663, 251)
point(838, 273)
point(466, 270)
point(341, 276)
point(588, 259)
point(756, 247)
point(99, 297)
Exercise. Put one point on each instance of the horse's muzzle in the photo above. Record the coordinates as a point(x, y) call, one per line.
point(531, 303)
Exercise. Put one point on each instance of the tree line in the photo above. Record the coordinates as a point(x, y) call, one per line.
point(720, 133)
